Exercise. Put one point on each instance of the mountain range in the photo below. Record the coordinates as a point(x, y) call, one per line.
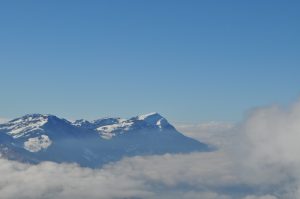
point(34, 138)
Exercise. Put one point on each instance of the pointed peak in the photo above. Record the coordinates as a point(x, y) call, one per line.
point(149, 115)
point(153, 118)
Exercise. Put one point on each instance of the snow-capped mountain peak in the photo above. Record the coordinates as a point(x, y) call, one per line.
point(110, 127)
point(152, 114)
point(23, 125)
point(153, 118)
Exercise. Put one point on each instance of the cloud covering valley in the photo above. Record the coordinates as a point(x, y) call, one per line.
point(257, 158)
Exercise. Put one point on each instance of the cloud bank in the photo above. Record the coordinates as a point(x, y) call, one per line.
point(256, 159)
point(167, 176)
point(267, 145)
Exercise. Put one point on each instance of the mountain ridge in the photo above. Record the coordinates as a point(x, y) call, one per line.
point(35, 138)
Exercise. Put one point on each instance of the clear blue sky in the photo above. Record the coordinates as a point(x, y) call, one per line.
point(189, 60)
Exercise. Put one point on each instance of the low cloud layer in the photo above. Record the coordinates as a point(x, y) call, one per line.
point(167, 176)
point(3, 120)
point(204, 175)
point(256, 159)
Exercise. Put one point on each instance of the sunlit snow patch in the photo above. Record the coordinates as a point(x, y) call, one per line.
point(108, 131)
point(37, 143)
point(22, 126)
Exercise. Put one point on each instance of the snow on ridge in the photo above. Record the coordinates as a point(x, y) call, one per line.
point(107, 127)
point(145, 116)
point(153, 118)
point(161, 123)
point(123, 125)
point(80, 122)
point(37, 143)
point(107, 131)
point(21, 126)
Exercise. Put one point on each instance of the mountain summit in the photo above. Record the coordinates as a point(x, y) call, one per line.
point(111, 127)
point(35, 138)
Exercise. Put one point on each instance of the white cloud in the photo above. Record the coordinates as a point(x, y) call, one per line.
point(192, 176)
point(51, 180)
point(267, 149)
point(3, 120)
point(167, 176)
point(264, 149)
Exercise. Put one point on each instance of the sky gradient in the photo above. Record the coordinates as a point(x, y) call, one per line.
point(191, 61)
